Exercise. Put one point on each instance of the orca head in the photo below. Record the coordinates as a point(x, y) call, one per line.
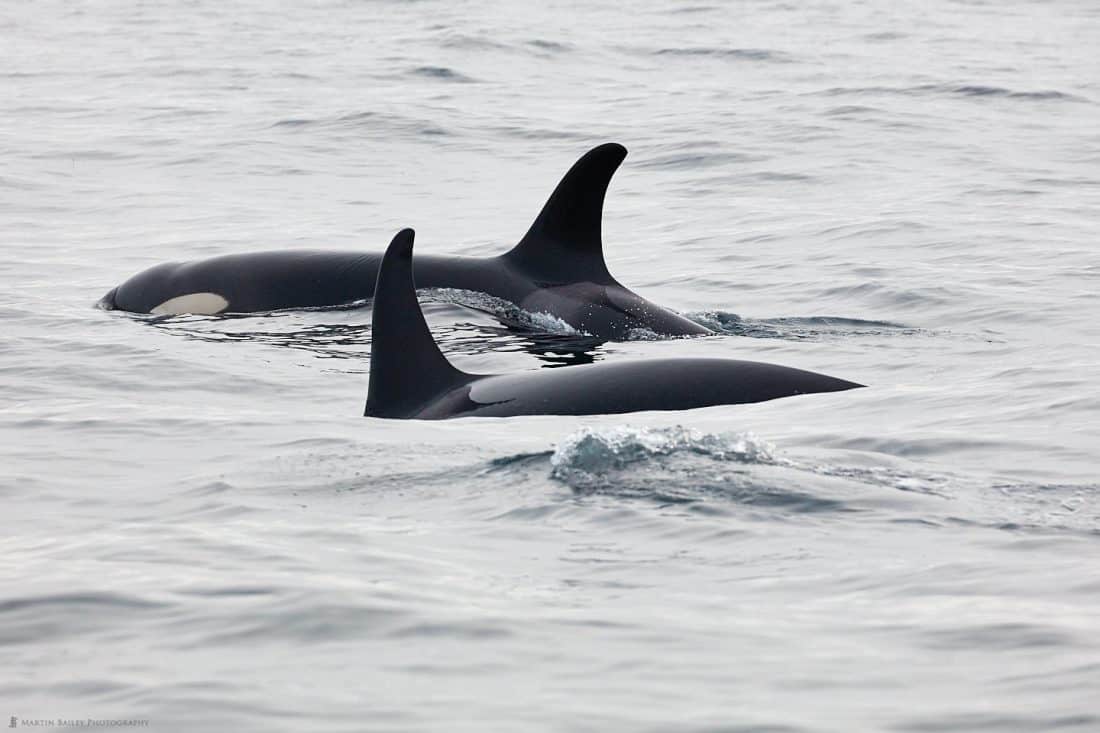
point(562, 256)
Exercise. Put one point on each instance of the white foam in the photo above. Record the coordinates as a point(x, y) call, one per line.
point(506, 311)
point(643, 334)
point(199, 304)
point(599, 450)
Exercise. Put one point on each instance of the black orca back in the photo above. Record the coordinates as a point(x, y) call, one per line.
point(411, 378)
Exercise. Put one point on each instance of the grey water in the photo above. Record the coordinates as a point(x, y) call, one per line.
point(201, 531)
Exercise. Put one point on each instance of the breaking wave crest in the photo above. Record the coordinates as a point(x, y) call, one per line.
point(653, 462)
point(590, 450)
point(683, 466)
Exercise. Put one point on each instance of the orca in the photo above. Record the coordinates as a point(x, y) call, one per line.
point(411, 378)
point(557, 268)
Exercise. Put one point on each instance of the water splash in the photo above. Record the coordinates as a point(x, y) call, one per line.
point(504, 310)
point(591, 451)
point(686, 465)
point(683, 466)
point(643, 334)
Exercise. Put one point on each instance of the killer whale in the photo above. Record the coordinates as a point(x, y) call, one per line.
point(411, 378)
point(557, 268)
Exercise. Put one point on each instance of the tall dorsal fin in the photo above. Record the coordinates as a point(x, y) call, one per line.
point(407, 369)
point(564, 244)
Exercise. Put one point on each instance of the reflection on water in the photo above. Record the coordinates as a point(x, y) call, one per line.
point(326, 341)
point(555, 350)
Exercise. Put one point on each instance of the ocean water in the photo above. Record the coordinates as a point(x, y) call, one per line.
point(201, 531)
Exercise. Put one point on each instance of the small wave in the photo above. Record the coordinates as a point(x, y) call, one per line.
point(781, 176)
point(908, 481)
point(693, 160)
point(46, 617)
point(689, 9)
point(742, 54)
point(999, 637)
point(302, 619)
point(441, 72)
point(454, 39)
point(294, 122)
point(538, 134)
point(1068, 182)
point(369, 121)
point(978, 90)
point(84, 601)
point(964, 90)
point(851, 109)
point(20, 184)
point(518, 459)
point(230, 591)
point(553, 46)
point(937, 722)
point(885, 36)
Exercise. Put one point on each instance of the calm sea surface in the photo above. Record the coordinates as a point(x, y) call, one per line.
point(201, 531)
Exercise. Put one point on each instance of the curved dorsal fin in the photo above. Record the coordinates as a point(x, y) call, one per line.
point(564, 244)
point(407, 369)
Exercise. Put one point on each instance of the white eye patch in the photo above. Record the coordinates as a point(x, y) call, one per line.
point(199, 304)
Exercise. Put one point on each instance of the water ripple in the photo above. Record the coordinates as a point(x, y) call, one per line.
point(738, 54)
